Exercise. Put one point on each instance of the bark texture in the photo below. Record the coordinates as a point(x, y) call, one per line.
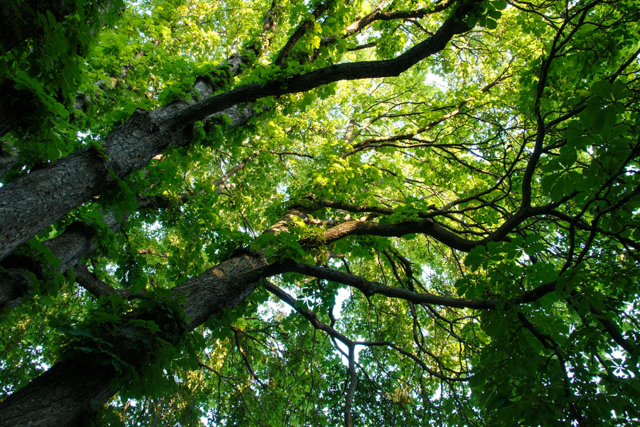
point(30, 204)
point(74, 388)
point(60, 397)
point(70, 247)
point(65, 393)
point(76, 242)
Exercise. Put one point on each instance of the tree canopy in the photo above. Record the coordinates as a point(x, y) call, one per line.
point(318, 213)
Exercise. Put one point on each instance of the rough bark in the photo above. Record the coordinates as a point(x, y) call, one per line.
point(43, 196)
point(63, 397)
point(76, 242)
point(70, 247)
point(31, 203)
point(75, 387)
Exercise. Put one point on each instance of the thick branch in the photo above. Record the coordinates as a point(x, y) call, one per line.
point(425, 226)
point(97, 287)
point(18, 273)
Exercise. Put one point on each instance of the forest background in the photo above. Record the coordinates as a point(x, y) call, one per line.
point(319, 213)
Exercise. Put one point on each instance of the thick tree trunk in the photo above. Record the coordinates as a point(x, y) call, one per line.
point(76, 242)
point(65, 393)
point(37, 200)
point(62, 396)
point(70, 247)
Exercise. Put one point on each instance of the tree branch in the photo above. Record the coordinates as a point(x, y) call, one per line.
point(98, 288)
point(369, 288)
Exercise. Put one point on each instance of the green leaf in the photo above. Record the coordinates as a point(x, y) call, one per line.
point(602, 89)
point(476, 257)
point(619, 90)
point(568, 155)
point(499, 4)
point(532, 238)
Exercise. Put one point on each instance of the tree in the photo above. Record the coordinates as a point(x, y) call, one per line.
point(401, 213)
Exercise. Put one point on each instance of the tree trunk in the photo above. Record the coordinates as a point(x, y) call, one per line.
point(65, 393)
point(37, 200)
point(70, 247)
point(62, 396)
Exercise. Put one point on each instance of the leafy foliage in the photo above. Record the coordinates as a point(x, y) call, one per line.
point(463, 247)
